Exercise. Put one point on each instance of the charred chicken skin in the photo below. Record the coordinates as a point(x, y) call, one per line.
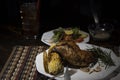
point(73, 55)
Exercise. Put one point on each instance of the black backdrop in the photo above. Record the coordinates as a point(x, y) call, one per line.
point(62, 12)
point(77, 12)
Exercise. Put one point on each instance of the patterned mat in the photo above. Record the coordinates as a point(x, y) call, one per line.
point(21, 63)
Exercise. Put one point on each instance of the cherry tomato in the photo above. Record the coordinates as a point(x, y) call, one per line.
point(79, 39)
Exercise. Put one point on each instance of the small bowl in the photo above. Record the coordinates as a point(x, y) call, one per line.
point(101, 31)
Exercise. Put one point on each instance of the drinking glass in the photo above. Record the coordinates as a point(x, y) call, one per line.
point(101, 32)
point(29, 17)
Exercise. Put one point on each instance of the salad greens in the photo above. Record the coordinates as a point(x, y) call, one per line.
point(76, 33)
point(60, 33)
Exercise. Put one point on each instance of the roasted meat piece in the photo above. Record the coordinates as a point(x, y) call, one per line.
point(72, 54)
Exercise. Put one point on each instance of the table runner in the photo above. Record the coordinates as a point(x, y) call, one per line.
point(21, 63)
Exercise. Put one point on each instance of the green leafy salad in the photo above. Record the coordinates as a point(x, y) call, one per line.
point(68, 34)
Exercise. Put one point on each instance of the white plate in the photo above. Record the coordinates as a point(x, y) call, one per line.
point(80, 75)
point(46, 37)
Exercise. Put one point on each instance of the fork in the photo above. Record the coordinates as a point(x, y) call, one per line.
point(66, 74)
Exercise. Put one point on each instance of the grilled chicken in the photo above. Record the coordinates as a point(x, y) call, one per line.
point(73, 55)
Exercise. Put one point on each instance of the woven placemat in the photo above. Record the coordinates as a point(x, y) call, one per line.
point(21, 63)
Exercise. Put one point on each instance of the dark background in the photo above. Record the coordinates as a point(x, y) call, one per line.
point(67, 13)
point(78, 12)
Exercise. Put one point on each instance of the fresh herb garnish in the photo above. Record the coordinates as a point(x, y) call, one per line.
point(104, 56)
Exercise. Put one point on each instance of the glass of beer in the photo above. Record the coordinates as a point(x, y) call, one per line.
point(30, 22)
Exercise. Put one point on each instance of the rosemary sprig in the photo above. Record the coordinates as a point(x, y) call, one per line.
point(104, 56)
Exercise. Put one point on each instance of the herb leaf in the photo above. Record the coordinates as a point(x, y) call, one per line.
point(104, 56)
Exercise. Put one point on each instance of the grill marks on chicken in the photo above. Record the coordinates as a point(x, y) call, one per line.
point(68, 54)
point(86, 58)
point(71, 53)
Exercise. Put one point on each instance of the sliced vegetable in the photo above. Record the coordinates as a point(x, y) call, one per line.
point(68, 31)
